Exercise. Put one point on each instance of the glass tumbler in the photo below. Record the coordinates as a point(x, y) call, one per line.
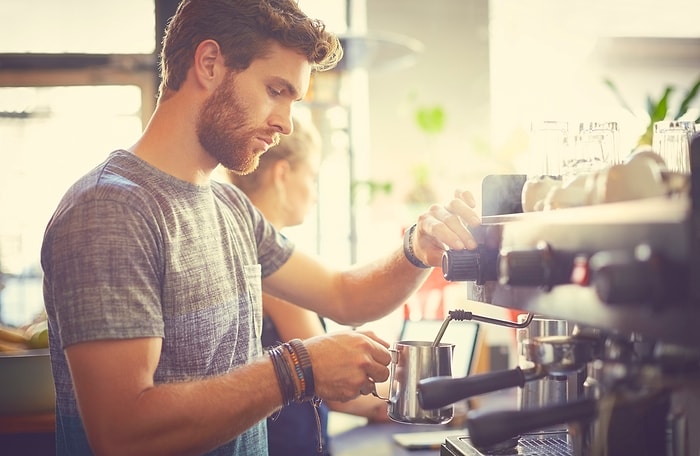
point(549, 141)
point(595, 146)
point(671, 139)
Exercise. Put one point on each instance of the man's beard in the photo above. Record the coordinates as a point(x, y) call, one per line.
point(223, 132)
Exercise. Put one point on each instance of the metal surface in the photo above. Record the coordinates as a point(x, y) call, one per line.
point(560, 355)
point(462, 315)
point(532, 444)
point(624, 275)
point(26, 383)
point(552, 389)
point(662, 223)
point(413, 361)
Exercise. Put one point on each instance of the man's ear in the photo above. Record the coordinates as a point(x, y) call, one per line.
point(208, 65)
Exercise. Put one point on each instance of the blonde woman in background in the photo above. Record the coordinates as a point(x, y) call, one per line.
point(284, 188)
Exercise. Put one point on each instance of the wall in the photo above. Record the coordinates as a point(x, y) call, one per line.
point(497, 65)
point(450, 72)
point(549, 60)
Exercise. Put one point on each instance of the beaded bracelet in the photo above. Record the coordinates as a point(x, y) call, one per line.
point(302, 364)
point(308, 373)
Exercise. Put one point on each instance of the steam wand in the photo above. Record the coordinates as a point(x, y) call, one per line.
point(466, 315)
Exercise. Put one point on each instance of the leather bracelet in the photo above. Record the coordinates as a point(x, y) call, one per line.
point(284, 376)
point(408, 248)
point(305, 362)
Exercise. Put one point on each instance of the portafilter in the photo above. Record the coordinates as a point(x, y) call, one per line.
point(552, 355)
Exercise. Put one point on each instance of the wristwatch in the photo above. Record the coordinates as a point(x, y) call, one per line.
point(408, 248)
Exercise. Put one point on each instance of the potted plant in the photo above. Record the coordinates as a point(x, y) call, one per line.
point(431, 121)
point(658, 109)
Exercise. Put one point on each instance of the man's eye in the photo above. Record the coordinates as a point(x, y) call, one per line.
point(275, 92)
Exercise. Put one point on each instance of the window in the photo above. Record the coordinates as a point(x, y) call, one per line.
point(76, 82)
point(77, 26)
point(49, 136)
point(55, 123)
point(549, 59)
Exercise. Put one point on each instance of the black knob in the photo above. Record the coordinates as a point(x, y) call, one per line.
point(529, 268)
point(470, 265)
point(639, 276)
point(541, 266)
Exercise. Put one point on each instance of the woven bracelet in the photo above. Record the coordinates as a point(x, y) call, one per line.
point(305, 361)
point(299, 371)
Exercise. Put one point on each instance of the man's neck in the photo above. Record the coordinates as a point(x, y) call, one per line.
point(170, 143)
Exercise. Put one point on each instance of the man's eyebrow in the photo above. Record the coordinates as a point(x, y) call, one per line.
point(288, 87)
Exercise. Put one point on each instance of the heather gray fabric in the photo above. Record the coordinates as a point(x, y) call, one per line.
point(134, 252)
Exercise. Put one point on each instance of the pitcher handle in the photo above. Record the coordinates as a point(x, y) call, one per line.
point(376, 394)
point(394, 360)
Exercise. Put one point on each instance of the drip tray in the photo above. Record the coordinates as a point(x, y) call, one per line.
point(533, 444)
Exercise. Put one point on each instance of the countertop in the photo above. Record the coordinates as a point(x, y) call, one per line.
point(351, 436)
point(377, 440)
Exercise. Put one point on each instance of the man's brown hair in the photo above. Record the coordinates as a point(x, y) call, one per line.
point(244, 30)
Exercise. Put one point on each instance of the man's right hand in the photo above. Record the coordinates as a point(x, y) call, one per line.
point(347, 364)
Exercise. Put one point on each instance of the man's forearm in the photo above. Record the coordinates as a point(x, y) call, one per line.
point(376, 289)
point(192, 417)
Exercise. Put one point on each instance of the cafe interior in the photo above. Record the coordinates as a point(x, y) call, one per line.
point(571, 330)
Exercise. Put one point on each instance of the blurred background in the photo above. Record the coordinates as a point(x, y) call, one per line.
point(431, 96)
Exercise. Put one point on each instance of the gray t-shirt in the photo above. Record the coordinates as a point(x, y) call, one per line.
point(134, 252)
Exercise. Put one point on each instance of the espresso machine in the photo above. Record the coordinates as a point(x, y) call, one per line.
point(609, 336)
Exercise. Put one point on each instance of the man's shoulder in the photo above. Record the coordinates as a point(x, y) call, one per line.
point(230, 193)
point(110, 180)
point(110, 191)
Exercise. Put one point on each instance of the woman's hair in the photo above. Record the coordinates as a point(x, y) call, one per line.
point(293, 148)
point(244, 30)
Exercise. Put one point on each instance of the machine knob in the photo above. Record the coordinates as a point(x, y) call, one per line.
point(538, 267)
point(525, 268)
point(470, 265)
point(619, 279)
point(639, 276)
point(530, 268)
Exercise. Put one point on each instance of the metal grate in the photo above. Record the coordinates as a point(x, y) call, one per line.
point(547, 446)
point(528, 445)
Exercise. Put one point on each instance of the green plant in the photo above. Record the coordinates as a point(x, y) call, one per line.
point(430, 119)
point(658, 109)
point(372, 187)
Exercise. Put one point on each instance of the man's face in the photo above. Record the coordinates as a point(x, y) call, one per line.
point(224, 131)
point(249, 110)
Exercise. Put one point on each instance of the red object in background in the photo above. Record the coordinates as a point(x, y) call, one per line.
point(581, 273)
point(428, 302)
